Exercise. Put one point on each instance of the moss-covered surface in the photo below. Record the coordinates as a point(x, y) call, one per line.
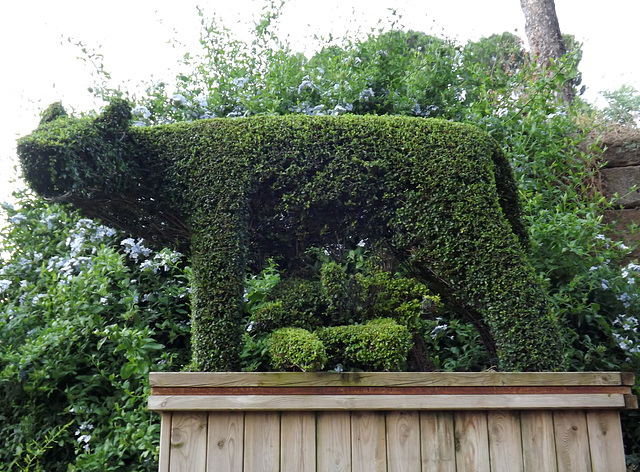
point(438, 195)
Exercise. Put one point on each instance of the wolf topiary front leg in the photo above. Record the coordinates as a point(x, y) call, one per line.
point(218, 260)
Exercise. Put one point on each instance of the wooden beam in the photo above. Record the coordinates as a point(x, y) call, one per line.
point(382, 402)
point(356, 390)
point(381, 379)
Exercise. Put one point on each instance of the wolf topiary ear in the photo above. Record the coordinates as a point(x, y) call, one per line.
point(52, 112)
point(116, 115)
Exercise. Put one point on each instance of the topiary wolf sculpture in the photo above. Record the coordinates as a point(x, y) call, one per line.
point(439, 196)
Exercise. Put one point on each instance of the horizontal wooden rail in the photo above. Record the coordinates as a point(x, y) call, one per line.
point(382, 379)
point(383, 402)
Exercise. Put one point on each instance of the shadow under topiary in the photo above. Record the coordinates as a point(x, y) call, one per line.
point(439, 196)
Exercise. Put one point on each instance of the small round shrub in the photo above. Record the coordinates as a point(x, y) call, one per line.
point(296, 349)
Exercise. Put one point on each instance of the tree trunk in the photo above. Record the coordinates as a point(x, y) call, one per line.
point(543, 34)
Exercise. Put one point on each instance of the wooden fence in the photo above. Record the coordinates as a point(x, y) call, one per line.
point(444, 422)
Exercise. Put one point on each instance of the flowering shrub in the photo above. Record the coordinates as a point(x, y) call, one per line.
point(85, 314)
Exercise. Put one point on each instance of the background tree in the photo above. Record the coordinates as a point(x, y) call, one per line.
point(544, 36)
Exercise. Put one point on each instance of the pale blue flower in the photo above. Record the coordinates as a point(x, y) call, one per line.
point(17, 219)
point(179, 100)
point(141, 111)
point(306, 84)
point(4, 285)
point(240, 82)
point(366, 94)
point(135, 249)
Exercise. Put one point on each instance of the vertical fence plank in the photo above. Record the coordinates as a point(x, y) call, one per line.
point(262, 442)
point(226, 439)
point(538, 444)
point(505, 441)
point(403, 441)
point(572, 441)
point(298, 441)
point(605, 441)
point(437, 441)
point(334, 441)
point(188, 442)
point(369, 452)
point(165, 442)
point(472, 441)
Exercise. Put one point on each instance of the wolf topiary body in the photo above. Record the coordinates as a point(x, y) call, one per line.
point(440, 196)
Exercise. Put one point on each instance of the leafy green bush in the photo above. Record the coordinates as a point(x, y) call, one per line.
point(378, 345)
point(85, 315)
point(296, 348)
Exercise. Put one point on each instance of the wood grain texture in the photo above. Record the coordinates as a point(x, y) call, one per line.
point(505, 441)
point(437, 441)
point(605, 441)
point(275, 379)
point(472, 442)
point(368, 441)
point(395, 390)
point(383, 402)
point(572, 441)
point(165, 442)
point(298, 441)
point(262, 442)
point(403, 441)
point(226, 442)
point(538, 444)
point(188, 442)
point(334, 441)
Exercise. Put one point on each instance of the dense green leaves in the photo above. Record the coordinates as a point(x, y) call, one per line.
point(438, 195)
point(85, 314)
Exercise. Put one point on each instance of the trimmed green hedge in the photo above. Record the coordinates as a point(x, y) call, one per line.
point(297, 349)
point(440, 196)
point(379, 345)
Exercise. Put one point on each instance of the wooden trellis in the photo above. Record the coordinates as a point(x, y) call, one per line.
point(444, 422)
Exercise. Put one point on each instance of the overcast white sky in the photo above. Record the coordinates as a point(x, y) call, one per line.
point(40, 66)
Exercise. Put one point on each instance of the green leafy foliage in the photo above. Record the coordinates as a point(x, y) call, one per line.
point(378, 345)
point(85, 315)
point(623, 105)
point(296, 348)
